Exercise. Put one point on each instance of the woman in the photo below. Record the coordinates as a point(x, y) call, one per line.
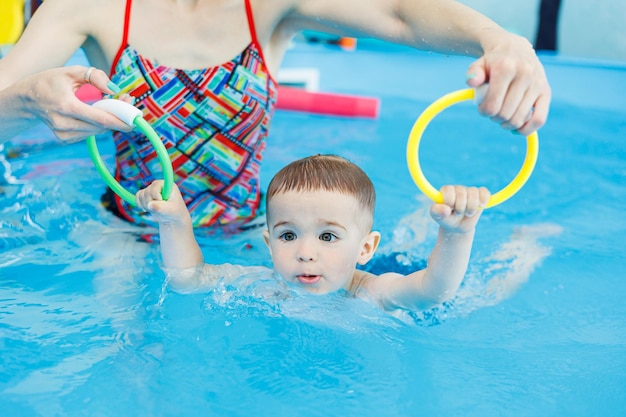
point(201, 72)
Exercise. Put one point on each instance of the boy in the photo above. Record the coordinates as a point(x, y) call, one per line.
point(320, 213)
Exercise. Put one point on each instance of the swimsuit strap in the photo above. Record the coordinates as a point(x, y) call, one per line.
point(124, 42)
point(252, 29)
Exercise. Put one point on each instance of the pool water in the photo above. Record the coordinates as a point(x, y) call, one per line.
point(87, 327)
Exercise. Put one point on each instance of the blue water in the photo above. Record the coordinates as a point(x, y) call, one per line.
point(87, 327)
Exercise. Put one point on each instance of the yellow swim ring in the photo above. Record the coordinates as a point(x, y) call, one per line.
point(11, 20)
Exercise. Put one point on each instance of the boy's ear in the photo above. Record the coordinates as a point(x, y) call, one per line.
point(266, 239)
point(370, 244)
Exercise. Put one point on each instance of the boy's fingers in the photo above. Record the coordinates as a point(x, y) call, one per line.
point(483, 196)
point(465, 201)
point(156, 189)
point(149, 194)
point(460, 203)
point(448, 194)
point(440, 211)
point(473, 201)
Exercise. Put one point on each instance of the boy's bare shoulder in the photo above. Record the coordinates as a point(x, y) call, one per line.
point(371, 286)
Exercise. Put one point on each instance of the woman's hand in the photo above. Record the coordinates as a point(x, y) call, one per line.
point(518, 96)
point(50, 96)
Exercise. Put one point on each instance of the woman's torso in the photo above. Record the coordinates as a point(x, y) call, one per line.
point(206, 34)
point(213, 120)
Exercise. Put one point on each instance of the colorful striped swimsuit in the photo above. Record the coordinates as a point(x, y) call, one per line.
point(214, 123)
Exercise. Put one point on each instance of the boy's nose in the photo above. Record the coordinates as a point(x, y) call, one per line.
point(305, 258)
point(306, 252)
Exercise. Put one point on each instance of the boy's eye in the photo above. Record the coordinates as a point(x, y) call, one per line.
point(288, 236)
point(327, 237)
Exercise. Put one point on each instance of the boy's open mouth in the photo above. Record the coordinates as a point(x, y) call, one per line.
point(308, 279)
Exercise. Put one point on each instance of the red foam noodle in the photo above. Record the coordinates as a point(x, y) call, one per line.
point(297, 99)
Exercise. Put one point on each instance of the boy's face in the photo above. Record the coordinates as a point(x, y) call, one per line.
point(317, 238)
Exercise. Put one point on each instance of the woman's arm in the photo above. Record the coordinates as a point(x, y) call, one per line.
point(34, 85)
point(49, 97)
point(518, 96)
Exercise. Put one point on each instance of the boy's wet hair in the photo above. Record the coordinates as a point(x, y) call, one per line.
point(328, 173)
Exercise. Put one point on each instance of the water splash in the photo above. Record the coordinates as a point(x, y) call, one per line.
point(499, 275)
point(489, 280)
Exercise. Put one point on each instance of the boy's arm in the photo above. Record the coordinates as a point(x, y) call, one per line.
point(447, 264)
point(179, 247)
point(182, 257)
point(181, 254)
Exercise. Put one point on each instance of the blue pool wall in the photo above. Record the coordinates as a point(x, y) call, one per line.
point(586, 29)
